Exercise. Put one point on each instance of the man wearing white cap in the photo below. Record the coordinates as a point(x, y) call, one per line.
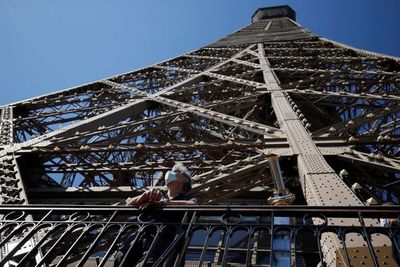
point(178, 183)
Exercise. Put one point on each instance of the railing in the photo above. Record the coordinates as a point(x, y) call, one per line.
point(194, 236)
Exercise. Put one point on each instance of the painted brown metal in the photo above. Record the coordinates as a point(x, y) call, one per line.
point(272, 87)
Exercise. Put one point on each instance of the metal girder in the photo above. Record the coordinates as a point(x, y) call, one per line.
point(312, 161)
point(215, 185)
point(6, 126)
point(370, 160)
point(218, 69)
point(221, 117)
point(235, 80)
point(331, 71)
point(211, 186)
point(272, 87)
point(253, 53)
point(116, 126)
point(361, 51)
point(207, 145)
point(357, 121)
point(361, 95)
point(176, 69)
point(12, 188)
point(205, 57)
point(117, 85)
point(321, 185)
point(74, 89)
point(94, 123)
point(200, 74)
point(90, 123)
point(254, 65)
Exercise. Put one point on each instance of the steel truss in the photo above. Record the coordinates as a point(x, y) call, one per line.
point(329, 111)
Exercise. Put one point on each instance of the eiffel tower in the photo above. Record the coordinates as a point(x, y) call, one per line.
point(269, 115)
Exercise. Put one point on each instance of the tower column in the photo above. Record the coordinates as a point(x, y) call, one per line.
point(320, 183)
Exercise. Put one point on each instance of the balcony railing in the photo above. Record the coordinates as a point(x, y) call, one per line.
point(197, 236)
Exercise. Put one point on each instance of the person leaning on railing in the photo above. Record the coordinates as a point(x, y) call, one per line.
point(178, 182)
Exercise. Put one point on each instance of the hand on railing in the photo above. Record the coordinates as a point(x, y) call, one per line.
point(145, 199)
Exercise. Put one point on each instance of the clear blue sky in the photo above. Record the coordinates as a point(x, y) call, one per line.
point(48, 45)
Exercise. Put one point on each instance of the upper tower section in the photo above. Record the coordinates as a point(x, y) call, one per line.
point(273, 12)
point(267, 24)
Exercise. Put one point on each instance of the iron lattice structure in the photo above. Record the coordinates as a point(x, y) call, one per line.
point(330, 112)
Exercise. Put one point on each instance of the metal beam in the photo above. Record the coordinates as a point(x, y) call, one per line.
point(223, 118)
point(321, 185)
point(93, 123)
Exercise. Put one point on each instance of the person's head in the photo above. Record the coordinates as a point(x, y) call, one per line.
point(178, 178)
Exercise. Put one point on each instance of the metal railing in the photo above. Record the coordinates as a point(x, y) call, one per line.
point(33, 235)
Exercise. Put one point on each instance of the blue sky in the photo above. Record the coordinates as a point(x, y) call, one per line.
point(48, 45)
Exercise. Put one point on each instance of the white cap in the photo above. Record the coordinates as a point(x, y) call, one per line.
point(170, 176)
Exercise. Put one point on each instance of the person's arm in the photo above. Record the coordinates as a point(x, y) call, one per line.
point(152, 195)
point(182, 202)
point(166, 202)
point(192, 201)
point(133, 201)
